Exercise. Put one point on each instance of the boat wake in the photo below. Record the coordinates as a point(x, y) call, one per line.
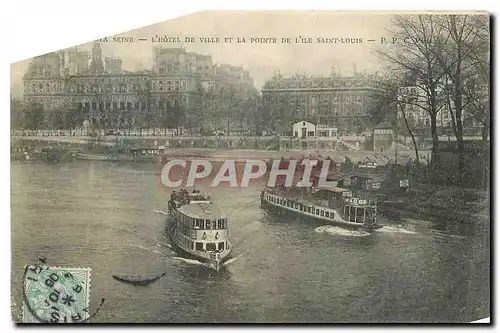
point(395, 230)
point(253, 226)
point(147, 249)
point(418, 222)
point(440, 234)
point(333, 230)
point(190, 261)
point(167, 245)
point(160, 211)
point(230, 261)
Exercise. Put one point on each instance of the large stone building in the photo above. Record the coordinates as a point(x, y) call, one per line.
point(413, 101)
point(339, 101)
point(181, 89)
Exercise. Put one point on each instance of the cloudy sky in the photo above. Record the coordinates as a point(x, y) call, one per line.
point(260, 59)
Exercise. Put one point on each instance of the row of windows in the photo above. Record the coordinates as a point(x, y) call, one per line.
point(116, 79)
point(49, 102)
point(202, 224)
point(209, 224)
point(169, 86)
point(352, 214)
point(320, 212)
point(335, 111)
point(108, 88)
point(126, 105)
point(210, 246)
point(301, 207)
point(42, 71)
point(201, 246)
point(346, 111)
point(107, 106)
point(327, 98)
point(320, 83)
point(169, 68)
point(40, 87)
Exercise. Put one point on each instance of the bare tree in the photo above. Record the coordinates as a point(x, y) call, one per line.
point(144, 112)
point(415, 54)
point(462, 65)
point(386, 101)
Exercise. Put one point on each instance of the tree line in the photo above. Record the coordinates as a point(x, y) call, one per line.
point(447, 57)
point(210, 109)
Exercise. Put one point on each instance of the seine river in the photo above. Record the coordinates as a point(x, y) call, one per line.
point(107, 216)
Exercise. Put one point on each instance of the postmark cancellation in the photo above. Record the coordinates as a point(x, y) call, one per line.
point(54, 294)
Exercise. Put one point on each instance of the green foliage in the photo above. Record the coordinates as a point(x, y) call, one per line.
point(33, 116)
point(16, 114)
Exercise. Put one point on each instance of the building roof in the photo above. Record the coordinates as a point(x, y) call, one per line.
point(332, 189)
point(374, 176)
point(202, 211)
point(303, 122)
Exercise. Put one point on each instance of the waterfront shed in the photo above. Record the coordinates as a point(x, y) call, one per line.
point(304, 129)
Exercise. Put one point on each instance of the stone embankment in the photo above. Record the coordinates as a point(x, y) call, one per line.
point(441, 203)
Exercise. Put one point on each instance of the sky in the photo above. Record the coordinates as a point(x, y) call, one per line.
point(261, 60)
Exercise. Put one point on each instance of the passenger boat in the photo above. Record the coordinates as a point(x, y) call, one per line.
point(198, 228)
point(332, 205)
point(96, 157)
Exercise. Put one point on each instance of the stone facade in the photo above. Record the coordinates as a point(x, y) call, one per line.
point(173, 93)
point(341, 102)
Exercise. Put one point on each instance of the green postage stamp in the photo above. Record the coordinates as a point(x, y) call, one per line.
point(55, 294)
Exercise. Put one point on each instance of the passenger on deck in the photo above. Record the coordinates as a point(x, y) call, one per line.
point(185, 197)
point(172, 202)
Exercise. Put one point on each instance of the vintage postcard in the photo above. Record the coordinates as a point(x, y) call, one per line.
point(256, 167)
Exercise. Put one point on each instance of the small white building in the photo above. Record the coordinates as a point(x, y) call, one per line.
point(326, 131)
point(304, 129)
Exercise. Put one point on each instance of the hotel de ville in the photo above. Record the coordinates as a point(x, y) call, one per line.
point(181, 89)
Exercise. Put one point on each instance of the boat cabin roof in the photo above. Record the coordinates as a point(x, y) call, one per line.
point(333, 189)
point(202, 211)
point(142, 148)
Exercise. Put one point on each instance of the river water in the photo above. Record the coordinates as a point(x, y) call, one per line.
point(106, 216)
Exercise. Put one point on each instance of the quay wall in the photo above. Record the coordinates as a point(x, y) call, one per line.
point(211, 142)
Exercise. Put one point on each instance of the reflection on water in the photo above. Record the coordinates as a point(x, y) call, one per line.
point(108, 217)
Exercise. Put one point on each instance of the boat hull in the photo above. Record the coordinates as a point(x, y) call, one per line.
point(116, 158)
point(201, 256)
point(92, 157)
point(282, 211)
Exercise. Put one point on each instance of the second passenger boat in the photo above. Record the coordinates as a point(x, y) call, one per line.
point(330, 204)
